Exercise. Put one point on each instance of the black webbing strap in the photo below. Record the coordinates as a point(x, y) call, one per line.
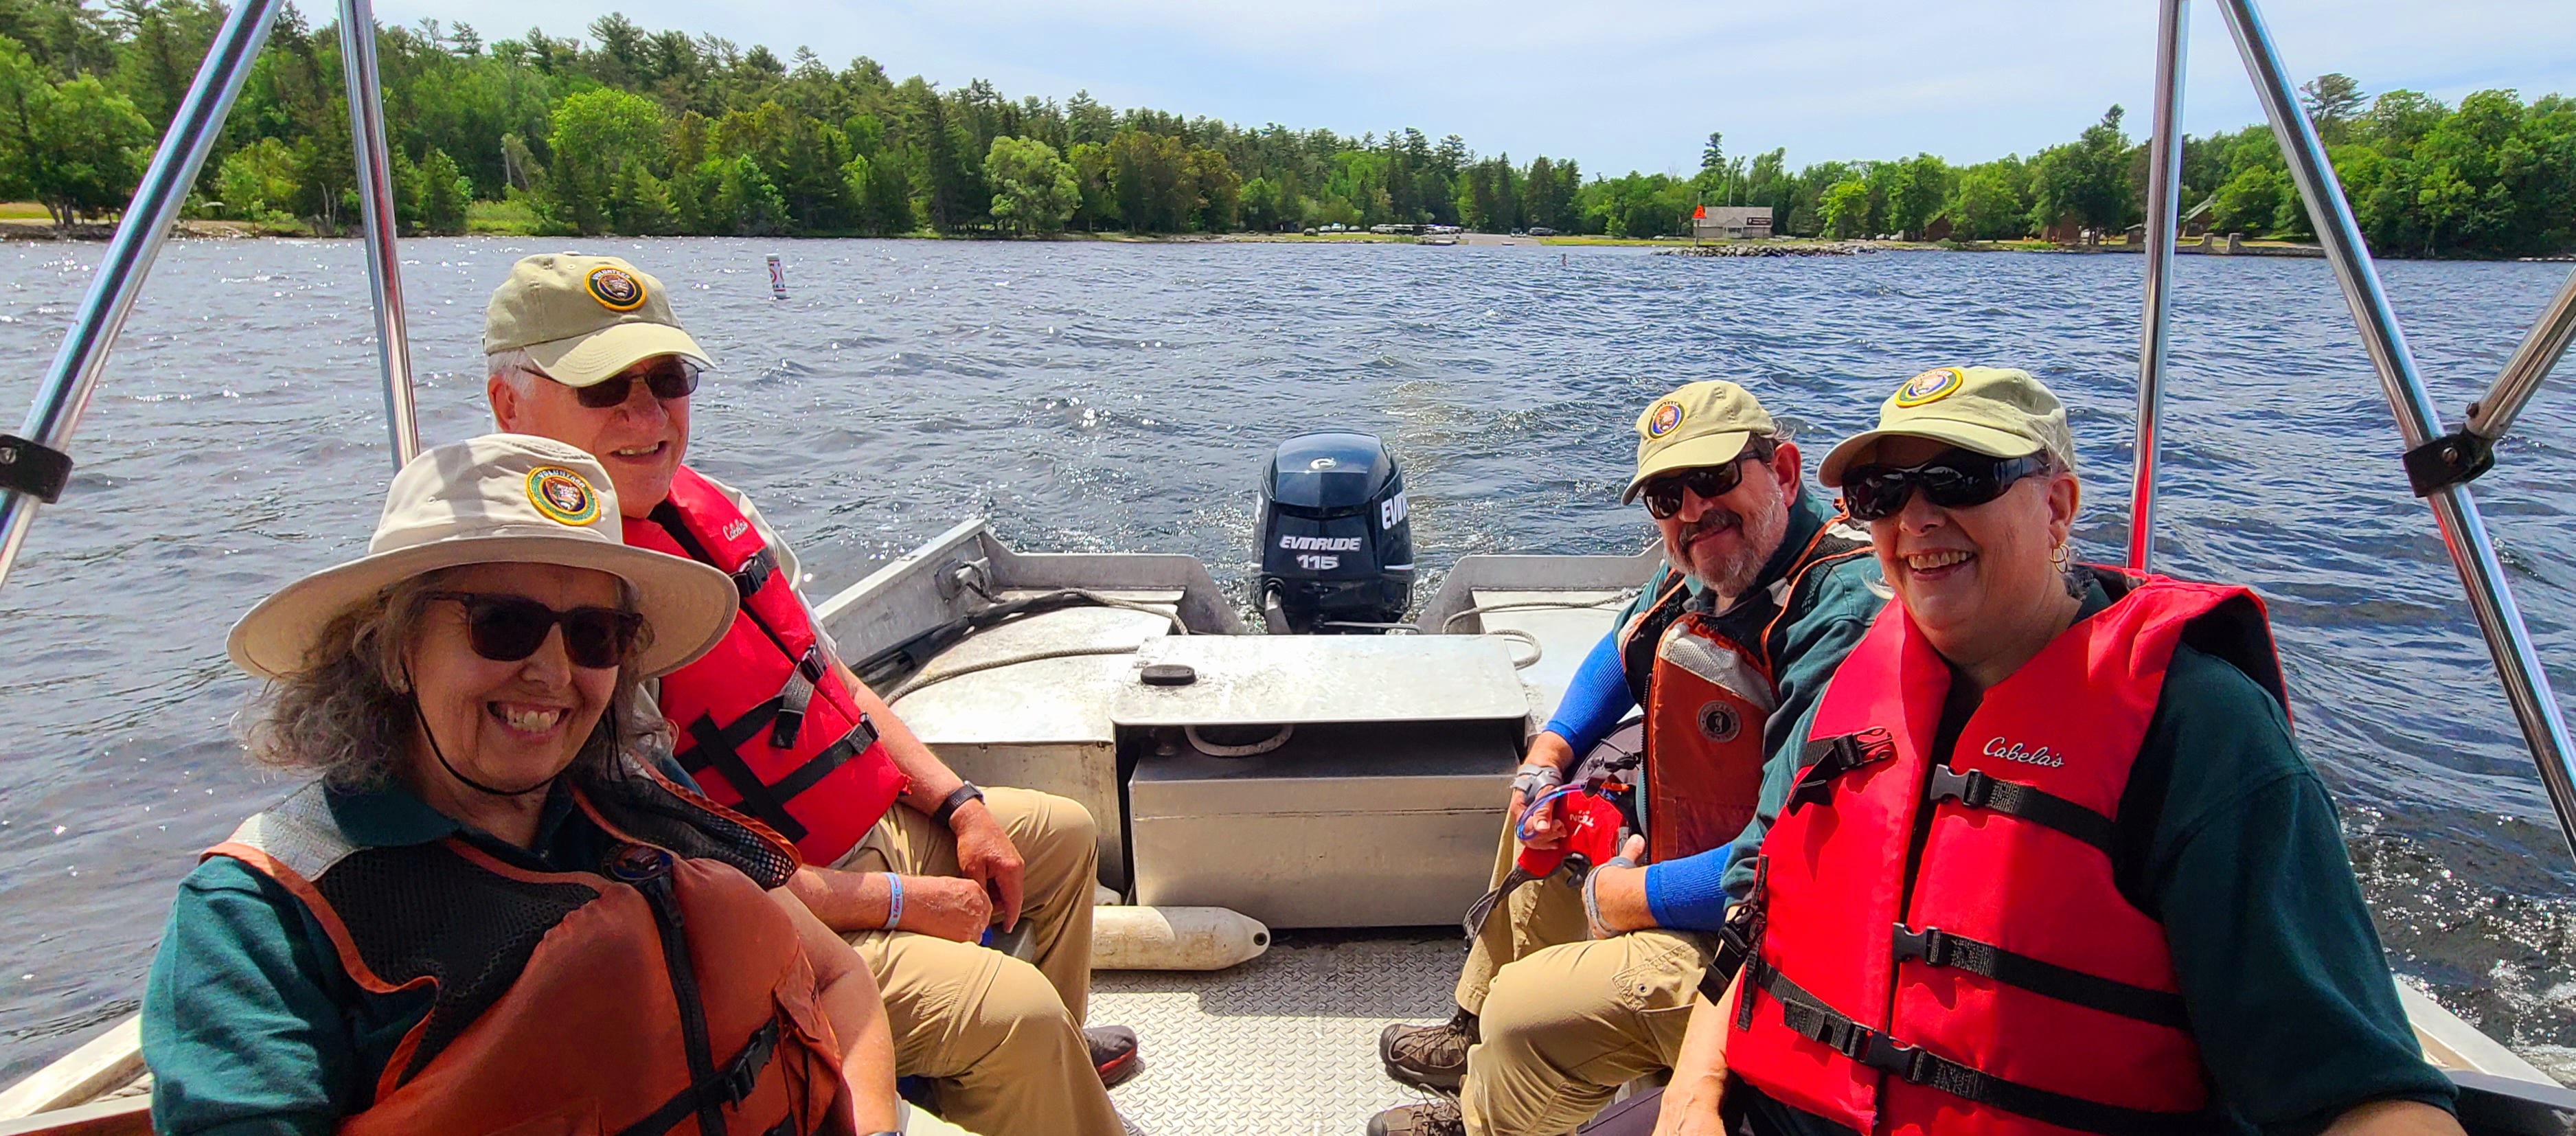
point(730, 1085)
point(1812, 1019)
point(1935, 947)
point(33, 468)
point(1976, 790)
point(719, 748)
point(1822, 760)
point(793, 698)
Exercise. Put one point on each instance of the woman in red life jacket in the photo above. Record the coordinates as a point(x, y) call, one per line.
point(492, 910)
point(2050, 861)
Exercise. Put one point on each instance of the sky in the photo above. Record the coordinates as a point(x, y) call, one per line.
point(1625, 84)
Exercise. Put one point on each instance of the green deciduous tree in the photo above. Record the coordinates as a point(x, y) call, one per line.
point(1845, 210)
point(1033, 186)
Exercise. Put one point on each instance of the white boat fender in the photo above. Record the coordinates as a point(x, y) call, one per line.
point(1101, 896)
point(1174, 938)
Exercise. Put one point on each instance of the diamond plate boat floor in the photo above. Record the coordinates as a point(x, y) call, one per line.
point(1284, 1045)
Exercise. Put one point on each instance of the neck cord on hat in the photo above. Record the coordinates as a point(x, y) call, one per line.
point(412, 695)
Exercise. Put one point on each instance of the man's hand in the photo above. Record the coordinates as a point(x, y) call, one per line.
point(1690, 1102)
point(1547, 830)
point(985, 855)
point(1614, 895)
point(945, 906)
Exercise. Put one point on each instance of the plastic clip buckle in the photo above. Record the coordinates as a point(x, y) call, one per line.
point(1887, 1055)
point(1929, 945)
point(1973, 788)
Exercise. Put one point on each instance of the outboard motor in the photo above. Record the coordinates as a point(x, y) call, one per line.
point(1336, 544)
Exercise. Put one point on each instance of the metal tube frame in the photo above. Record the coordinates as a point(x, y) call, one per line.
point(82, 358)
point(2164, 181)
point(376, 207)
point(2464, 532)
point(2492, 415)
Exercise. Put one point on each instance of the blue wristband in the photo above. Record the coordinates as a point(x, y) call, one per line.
point(894, 900)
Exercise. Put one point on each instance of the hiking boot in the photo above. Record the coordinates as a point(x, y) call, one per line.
point(1433, 1057)
point(1113, 1053)
point(1439, 1118)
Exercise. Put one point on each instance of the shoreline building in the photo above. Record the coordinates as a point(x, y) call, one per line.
point(1734, 223)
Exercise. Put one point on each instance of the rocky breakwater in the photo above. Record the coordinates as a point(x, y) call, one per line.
point(1775, 248)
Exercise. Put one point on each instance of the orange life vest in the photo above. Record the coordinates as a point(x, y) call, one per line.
point(663, 993)
point(766, 712)
point(2008, 988)
point(1707, 697)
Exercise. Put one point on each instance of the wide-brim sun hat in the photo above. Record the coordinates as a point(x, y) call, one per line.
point(1996, 411)
point(497, 499)
point(583, 319)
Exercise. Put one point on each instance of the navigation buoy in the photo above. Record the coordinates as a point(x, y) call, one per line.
point(1174, 938)
point(777, 279)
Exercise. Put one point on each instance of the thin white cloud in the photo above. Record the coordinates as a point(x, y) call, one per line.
point(1627, 83)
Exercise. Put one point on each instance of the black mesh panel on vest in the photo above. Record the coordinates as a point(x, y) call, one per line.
point(655, 815)
point(402, 907)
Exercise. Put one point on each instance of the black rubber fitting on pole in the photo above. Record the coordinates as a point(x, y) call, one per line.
point(33, 468)
point(2452, 459)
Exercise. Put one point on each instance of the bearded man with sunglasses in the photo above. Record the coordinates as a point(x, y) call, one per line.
point(910, 862)
point(1569, 992)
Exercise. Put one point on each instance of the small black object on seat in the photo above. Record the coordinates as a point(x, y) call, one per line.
point(1167, 674)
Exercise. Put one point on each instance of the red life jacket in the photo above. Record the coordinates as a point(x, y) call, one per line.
point(766, 711)
point(2010, 989)
point(1707, 697)
point(663, 993)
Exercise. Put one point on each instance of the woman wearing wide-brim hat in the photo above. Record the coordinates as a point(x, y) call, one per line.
point(497, 908)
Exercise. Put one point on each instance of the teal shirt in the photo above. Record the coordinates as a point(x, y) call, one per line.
point(2228, 838)
point(250, 1025)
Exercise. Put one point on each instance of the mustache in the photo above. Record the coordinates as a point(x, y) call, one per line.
point(1709, 523)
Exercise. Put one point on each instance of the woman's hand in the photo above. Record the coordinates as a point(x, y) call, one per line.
point(1690, 1102)
point(945, 906)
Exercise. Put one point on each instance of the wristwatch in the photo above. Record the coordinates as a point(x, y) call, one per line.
point(956, 799)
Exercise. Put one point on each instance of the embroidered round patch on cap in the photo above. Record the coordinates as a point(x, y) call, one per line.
point(1665, 418)
point(1930, 386)
point(562, 495)
point(615, 288)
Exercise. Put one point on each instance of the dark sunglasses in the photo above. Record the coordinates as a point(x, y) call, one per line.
point(1663, 495)
point(1957, 479)
point(668, 378)
point(506, 629)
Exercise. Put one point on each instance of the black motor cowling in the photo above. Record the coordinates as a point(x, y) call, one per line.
point(1336, 544)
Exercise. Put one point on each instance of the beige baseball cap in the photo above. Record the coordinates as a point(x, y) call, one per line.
point(497, 499)
point(1995, 411)
point(1702, 424)
point(584, 318)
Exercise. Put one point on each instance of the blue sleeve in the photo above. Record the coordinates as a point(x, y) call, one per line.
point(239, 1028)
point(1596, 700)
point(1689, 894)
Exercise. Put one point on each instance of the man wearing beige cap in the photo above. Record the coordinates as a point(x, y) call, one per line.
point(1570, 991)
point(909, 861)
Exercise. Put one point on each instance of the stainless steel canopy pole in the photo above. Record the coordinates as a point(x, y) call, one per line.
point(2482, 576)
point(2164, 179)
point(2491, 416)
point(82, 358)
point(376, 206)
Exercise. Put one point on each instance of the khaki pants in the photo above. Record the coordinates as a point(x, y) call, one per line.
point(999, 1038)
point(1565, 1020)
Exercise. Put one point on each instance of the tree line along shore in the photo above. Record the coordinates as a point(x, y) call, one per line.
point(640, 133)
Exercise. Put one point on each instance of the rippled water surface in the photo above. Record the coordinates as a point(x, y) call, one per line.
point(1121, 398)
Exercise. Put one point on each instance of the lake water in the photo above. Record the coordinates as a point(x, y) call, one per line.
point(1104, 397)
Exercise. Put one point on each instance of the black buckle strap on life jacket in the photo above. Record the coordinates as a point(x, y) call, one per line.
point(754, 574)
point(1935, 947)
point(795, 696)
point(1976, 790)
point(719, 748)
point(726, 1087)
point(1822, 760)
point(1810, 1018)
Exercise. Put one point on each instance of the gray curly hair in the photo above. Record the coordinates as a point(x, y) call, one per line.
point(345, 719)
